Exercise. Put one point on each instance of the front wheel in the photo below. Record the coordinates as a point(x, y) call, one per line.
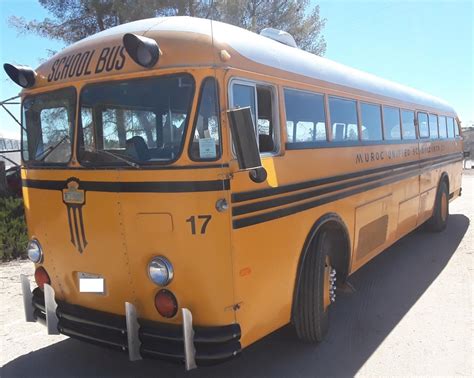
point(439, 219)
point(316, 291)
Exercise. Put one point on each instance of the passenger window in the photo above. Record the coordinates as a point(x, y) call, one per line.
point(423, 125)
point(371, 119)
point(450, 127)
point(433, 120)
point(408, 125)
point(442, 127)
point(306, 111)
point(260, 98)
point(456, 128)
point(206, 144)
point(391, 123)
point(344, 119)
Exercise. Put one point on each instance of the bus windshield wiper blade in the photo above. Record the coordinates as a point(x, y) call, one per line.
point(50, 149)
point(119, 157)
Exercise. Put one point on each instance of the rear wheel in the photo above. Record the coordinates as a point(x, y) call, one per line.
point(316, 291)
point(439, 219)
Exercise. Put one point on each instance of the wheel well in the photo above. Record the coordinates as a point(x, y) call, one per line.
point(338, 231)
point(445, 178)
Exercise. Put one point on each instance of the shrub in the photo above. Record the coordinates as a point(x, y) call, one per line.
point(13, 233)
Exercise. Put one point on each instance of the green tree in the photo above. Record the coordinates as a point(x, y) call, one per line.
point(303, 22)
point(72, 20)
point(13, 235)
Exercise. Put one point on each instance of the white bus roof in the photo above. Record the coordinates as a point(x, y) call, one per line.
point(271, 53)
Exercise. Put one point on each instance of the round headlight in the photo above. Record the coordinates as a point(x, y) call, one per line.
point(35, 252)
point(160, 271)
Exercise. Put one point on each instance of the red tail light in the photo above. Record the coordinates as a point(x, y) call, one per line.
point(166, 303)
point(41, 277)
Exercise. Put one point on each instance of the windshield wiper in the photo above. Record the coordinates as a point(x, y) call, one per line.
point(119, 157)
point(50, 149)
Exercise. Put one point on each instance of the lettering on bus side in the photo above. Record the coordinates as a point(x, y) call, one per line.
point(80, 64)
point(390, 154)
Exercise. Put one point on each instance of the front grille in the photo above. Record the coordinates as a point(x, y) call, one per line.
point(158, 340)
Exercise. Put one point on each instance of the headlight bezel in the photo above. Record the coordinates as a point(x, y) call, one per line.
point(39, 251)
point(160, 263)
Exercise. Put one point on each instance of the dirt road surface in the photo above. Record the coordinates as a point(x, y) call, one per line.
point(411, 314)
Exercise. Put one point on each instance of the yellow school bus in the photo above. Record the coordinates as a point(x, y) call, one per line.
point(190, 186)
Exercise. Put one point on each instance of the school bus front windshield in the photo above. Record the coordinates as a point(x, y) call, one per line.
point(143, 120)
point(135, 122)
point(48, 120)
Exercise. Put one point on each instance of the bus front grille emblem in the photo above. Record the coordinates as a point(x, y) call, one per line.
point(74, 199)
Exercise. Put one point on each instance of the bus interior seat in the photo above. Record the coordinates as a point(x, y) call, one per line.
point(265, 143)
point(136, 148)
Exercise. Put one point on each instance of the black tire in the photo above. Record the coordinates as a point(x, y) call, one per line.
point(439, 219)
point(310, 318)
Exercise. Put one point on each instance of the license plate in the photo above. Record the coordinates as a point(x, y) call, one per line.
point(91, 283)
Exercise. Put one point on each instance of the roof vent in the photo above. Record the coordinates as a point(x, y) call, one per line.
point(279, 36)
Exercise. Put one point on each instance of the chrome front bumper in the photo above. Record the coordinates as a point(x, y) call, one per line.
point(193, 345)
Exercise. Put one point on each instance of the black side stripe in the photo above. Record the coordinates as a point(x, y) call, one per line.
point(254, 194)
point(32, 166)
point(262, 205)
point(280, 213)
point(135, 187)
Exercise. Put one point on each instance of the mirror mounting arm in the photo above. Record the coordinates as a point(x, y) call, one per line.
point(258, 175)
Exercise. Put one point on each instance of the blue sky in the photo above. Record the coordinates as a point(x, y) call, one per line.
point(427, 45)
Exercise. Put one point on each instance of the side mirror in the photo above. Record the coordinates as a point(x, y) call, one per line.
point(245, 143)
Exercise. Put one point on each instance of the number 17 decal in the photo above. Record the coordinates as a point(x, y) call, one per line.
point(205, 221)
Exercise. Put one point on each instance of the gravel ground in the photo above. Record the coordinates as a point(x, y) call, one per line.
point(411, 314)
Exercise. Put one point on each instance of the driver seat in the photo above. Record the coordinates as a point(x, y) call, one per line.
point(137, 148)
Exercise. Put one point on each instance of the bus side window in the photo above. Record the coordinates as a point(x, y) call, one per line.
point(408, 125)
point(433, 119)
point(260, 98)
point(456, 128)
point(371, 120)
point(442, 127)
point(206, 143)
point(290, 128)
point(306, 119)
point(244, 95)
point(391, 123)
point(450, 127)
point(344, 119)
point(265, 124)
point(423, 128)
